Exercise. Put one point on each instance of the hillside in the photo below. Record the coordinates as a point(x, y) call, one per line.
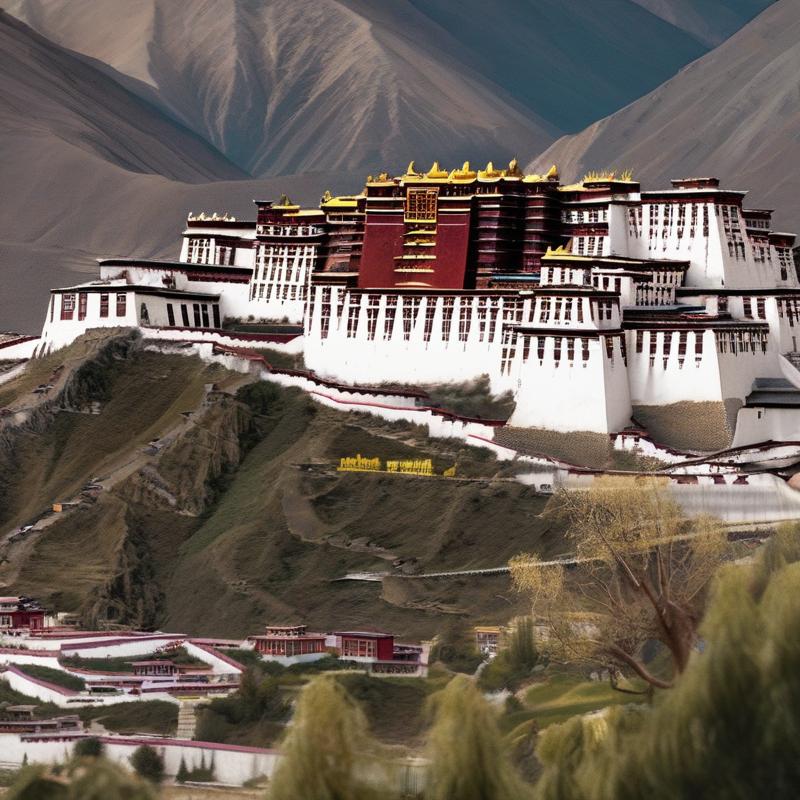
point(286, 87)
point(733, 113)
point(129, 115)
point(242, 498)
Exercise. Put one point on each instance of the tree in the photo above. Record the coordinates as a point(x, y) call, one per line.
point(148, 763)
point(641, 574)
point(82, 779)
point(731, 726)
point(456, 647)
point(91, 747)
point(514, 662)
point(328, 753)
point(467, 756)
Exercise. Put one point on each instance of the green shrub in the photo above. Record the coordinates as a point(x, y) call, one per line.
point(148, 764)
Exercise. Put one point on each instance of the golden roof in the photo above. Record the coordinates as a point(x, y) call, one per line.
point(463, 174)
point(436, 172)
point(550, 175)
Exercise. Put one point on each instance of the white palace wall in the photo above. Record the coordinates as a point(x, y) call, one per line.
point(365, 338)
point(569, 394)
point(232, 764)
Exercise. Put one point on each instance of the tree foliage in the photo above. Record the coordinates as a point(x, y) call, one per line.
point(456, 647)
point(90, 747)
point(328, 753)
point(641, 576)
point(514, 662)
point(148, 763)
point(82, 779)
point(468, 760)
point(730, 729)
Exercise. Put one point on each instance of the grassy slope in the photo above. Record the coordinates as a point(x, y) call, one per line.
point(275, 534)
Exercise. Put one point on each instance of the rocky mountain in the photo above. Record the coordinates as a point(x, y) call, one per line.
point(733, 113)
point(287, 87)
point(118, 118)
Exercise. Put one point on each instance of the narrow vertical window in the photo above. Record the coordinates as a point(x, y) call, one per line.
point(82, 297)
point(206, 323)
point(170, 315)
point(67, 306)
point(121, 304)
point(184, 315)
point(104, 304)
point(215, 311)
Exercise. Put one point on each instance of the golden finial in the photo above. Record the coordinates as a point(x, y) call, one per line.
point(552, 173)
point(326, 196)
point(436, 171)
point(411, 170)
point(513, 168)
point(284, 201)
point(627, 175)
point(384, 176)
point(370, 179)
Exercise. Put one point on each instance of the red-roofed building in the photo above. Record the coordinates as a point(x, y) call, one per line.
point(20, 612)
point(289, 644)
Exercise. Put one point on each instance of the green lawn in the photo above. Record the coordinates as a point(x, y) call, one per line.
point(562, 696)
point(53, 676)
point(179, 656)
point(151, 716)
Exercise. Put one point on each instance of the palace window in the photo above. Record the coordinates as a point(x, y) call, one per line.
point(199, 251)
point(215, 311)
point(122, 299)
point(391, 312)
point(447, 317)
point(67, 306)
point(352, 319)
point(184, 315)
point(430, 311)
point(421, 205)
point(206, 323)
point(103, 305)
point(196, 310)
point(82, 305)
point(170, 315)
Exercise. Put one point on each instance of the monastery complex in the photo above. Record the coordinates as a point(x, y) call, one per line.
point(588, 302)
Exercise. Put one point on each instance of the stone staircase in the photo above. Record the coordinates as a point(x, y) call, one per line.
point(187, 719)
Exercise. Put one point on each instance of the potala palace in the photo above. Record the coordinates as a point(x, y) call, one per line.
point(597, 304)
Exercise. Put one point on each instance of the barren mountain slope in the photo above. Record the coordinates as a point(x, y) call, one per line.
point(289, 86)
point(734, 113)
point(230, 501)
point(89, 170)
point(58, 100)
point(710, 21)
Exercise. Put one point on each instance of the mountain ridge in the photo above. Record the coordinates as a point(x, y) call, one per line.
point(733, 113)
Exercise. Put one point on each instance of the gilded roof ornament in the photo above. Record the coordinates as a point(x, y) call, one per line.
point(552, 173)
point(513, 169)
point(463, 174)
point(384, 176)
point(436, 171)
point(326, 196)
point(491, 172)
point(411, 170)
point(284, 201)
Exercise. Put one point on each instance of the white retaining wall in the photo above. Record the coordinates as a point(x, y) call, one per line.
point(232, 765)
